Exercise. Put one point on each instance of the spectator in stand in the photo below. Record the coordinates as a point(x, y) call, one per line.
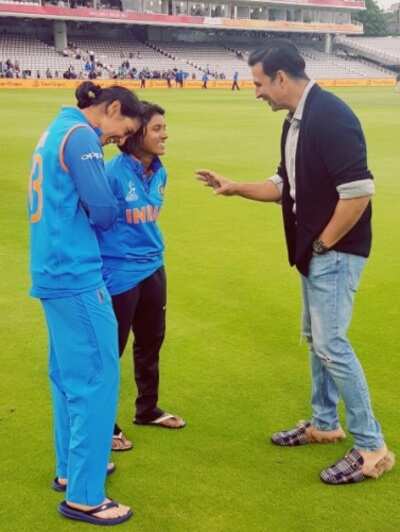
point(49, 75)
point(38, 74)
point(235, 84)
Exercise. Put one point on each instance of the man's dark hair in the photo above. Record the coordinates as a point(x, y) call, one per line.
point(148, 111)
point(279, 54)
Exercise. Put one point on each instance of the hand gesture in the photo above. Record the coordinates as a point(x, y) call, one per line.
point(220, 184)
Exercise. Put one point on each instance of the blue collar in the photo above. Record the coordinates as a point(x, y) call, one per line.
point(138, 168)
point(74, 112)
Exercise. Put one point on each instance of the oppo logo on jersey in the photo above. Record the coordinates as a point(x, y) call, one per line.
point(143, 215)
point(91, 155)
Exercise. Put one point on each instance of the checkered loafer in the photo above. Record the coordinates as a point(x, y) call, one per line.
point(347, 470)
point(292, 437)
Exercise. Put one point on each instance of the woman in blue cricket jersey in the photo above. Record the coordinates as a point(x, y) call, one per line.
point(132, 252)
point(69, 196)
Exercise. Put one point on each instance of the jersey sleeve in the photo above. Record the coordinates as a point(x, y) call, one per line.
point(112, 176)
point(83, 157)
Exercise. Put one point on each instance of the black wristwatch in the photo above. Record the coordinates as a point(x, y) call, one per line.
point(319, 247)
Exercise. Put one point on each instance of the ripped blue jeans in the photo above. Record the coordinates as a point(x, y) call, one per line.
point(328, 296)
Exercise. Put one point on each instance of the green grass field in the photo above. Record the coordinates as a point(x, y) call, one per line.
point(232, 363)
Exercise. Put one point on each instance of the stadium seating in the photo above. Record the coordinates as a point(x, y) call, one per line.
point(37, 56)
point(214, 58)
point(321, 65)
point(114, 52)
point(383, 49)
point(33, 54)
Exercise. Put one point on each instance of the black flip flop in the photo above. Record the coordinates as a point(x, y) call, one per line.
point(88, 515)
point(57, 486)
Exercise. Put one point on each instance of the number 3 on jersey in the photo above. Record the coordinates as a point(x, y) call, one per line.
point(35, 189)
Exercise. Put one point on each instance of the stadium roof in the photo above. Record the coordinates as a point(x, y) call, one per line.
point(130, 17)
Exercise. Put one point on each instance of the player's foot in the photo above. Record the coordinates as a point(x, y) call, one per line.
point(109, 513)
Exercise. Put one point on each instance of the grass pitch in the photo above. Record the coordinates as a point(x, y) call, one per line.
point(232, 364)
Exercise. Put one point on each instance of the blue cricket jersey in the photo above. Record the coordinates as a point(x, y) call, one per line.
point(132, 249)
point(69, 195)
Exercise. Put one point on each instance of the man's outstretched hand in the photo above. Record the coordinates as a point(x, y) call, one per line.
point(220, 184)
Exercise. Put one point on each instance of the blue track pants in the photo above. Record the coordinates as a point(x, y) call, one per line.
point(84, 376)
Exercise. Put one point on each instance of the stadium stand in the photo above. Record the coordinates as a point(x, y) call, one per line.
point(32, 55)
point(325, 66)
point(218, 61)
point(385, 50)
point(155, 39)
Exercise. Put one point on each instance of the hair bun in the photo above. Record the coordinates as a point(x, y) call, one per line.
point(86, 94)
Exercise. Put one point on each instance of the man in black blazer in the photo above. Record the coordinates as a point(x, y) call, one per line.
point(324, 186)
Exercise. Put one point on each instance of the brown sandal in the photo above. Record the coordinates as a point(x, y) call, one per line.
point(166, 421)
point(121, 443)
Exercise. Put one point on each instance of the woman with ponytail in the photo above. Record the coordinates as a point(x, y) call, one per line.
point(69, 197)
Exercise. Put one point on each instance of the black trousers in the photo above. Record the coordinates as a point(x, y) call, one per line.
point(235, 85)
point(142, 310)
